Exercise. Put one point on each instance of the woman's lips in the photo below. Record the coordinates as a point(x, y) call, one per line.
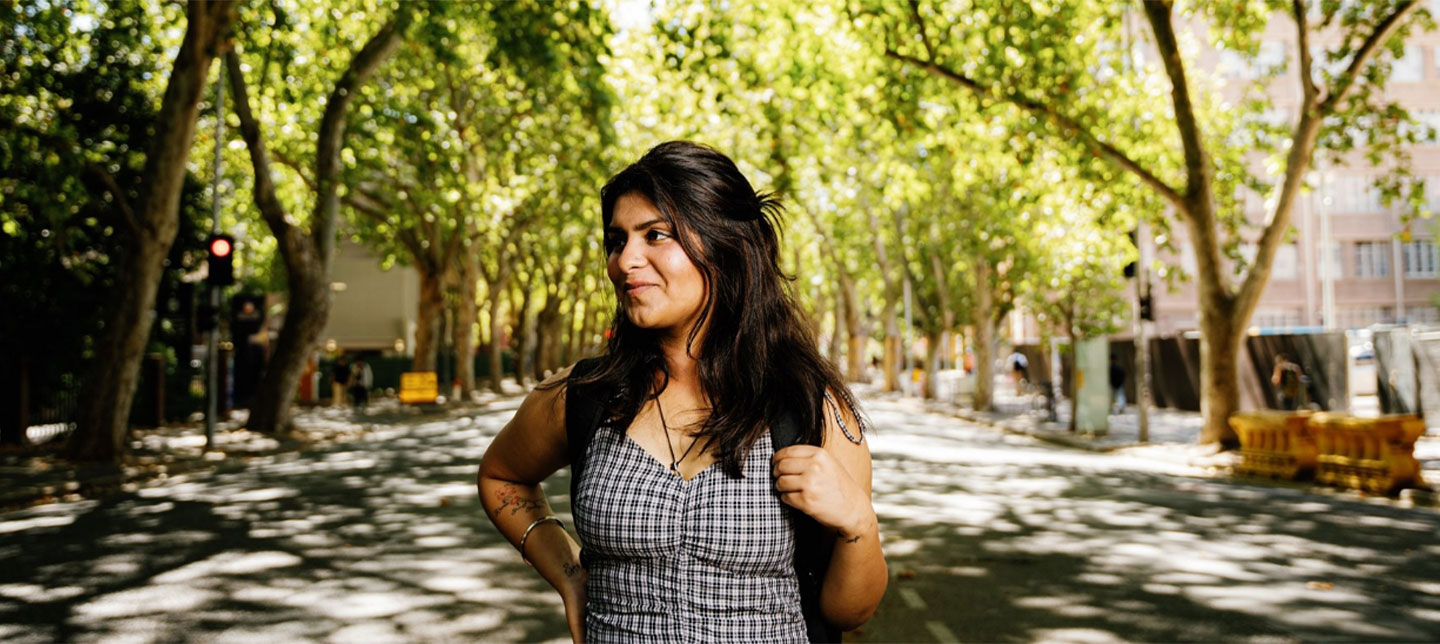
point(637, 287)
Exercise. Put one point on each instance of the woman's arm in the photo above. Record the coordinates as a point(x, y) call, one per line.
point(527, 451)
point(832, 485)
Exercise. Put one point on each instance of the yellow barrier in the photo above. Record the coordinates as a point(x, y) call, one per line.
point(1275, 444)
point(1372, 454)
point(419, 387)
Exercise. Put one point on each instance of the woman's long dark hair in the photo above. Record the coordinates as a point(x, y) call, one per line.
point(757, 358)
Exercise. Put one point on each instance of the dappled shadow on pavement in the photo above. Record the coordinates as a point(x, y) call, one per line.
point(381, 539)
point(992, 537)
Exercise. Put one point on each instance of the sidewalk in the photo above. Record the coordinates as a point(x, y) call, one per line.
point(35, 476)
point(1173, 437)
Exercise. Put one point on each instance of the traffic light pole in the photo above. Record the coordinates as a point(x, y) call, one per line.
point(1142, 343)
point(212, 342)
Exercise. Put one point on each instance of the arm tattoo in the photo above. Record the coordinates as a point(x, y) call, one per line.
point(509, 497)
point(854, 539)
point(571, 569)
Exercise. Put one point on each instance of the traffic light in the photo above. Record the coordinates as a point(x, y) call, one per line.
point(221, 259)
point(1147, 310)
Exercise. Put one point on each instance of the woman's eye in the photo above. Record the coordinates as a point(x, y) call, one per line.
point(656, 235)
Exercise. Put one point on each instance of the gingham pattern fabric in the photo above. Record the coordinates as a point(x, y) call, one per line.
point(705, 560)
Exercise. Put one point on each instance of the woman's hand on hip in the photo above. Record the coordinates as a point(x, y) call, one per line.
point(813, 481)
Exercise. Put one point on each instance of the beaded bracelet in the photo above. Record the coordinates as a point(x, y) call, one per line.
point(526, 536)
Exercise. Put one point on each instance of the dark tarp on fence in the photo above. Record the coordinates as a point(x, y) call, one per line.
point(1427, 352)
point(1175, 372)
point(1323, 358)
point(1407, 372)
point(1396, 384)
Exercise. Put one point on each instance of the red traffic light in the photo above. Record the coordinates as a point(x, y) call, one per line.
point(220, 247)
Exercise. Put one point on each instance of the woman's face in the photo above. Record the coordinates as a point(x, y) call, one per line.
point(657, 284)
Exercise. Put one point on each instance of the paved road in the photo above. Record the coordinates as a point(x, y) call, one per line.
point(994, 538)
point(990, 538)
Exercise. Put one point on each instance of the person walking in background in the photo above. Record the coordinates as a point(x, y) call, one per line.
point(1019, 371)
point(1117, 386)
point(339, 380)
point(1289, 381)
point(361, 380)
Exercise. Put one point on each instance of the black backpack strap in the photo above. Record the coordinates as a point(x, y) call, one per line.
point(583, 407)
point(812, 546)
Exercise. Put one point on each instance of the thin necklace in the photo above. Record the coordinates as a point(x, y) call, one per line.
point(674, 462)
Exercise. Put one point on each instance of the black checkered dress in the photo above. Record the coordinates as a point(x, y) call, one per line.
point(705, 560)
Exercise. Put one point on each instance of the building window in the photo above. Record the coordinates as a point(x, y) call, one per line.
point(1352, 194)
point(1421, 259)
point(1372, 259)
point(1409, 68)
point(1284, 266)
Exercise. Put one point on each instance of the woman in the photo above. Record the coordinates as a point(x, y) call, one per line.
point(684, 506)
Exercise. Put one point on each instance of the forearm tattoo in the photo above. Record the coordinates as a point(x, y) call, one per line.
point(854, 539)
point(512, 498)
point(571, 568)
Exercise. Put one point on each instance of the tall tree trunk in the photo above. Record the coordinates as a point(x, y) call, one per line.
point(984, 346)
point(590, 320)
point(110, 381)
point(466, 315)
point(306, 312)
point(428, 317)
point(933, 353)
point(836, 350)
point(855, 335)
point(497, 338)
point(524, 332)
point(307, 255)
point(1220, 337)
point(892, 362)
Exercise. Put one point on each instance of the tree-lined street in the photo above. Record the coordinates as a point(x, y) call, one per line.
point(989, 537)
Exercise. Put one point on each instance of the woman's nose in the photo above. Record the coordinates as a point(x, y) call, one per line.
point(631, 255)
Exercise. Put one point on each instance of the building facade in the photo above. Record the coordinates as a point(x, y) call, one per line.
point(1353, 261)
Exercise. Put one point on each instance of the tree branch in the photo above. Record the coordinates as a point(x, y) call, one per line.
point(271, 210)
point(332, 129)
point(1103, 149)
point(1197, 162)
point(127, 214)
point(1307, 62)
point(1364, 54)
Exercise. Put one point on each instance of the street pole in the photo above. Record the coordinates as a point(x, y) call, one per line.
point(1327, 253)
point(1142, 289)
point(1142, 343)
point(905, 351)
point(212, 343)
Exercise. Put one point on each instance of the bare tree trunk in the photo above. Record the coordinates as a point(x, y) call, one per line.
point(497, 338)
point(932, 362)
point(984, 338)
point(524, 332)
point(430, 310)
point(1220, 337)
point(590, 320)
point(466, 315)
point(110, 381)
point(307, 255)
point(836, 350)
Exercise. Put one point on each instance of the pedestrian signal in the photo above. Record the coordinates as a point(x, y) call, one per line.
point(221, 260)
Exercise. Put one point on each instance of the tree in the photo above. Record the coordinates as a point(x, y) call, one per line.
point(307, 253)
point(1066, 66)
point(149, 220)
